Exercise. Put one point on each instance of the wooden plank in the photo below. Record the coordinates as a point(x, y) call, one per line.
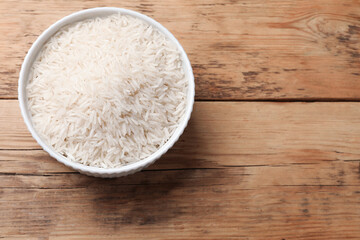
point(262, 202)
point(155, 211)
point(267, 131)
point(246, 49)
point(13, 132)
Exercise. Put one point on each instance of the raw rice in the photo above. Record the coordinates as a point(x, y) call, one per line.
point(107, 91)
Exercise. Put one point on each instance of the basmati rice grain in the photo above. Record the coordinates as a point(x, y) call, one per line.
point(106, 92)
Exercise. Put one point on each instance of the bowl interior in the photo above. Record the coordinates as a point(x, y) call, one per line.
point(79, 16)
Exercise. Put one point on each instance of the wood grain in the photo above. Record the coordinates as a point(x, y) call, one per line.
point(230, 203)
point(242, 170)
point(267, 131)
point(240, 50)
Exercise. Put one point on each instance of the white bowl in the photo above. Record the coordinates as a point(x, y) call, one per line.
point(93, 171)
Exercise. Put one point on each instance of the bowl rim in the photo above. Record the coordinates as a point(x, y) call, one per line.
point(82, 15)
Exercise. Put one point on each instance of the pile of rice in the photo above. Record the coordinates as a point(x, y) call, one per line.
point(107, 91)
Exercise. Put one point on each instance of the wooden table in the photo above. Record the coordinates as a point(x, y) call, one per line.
point(272, 150)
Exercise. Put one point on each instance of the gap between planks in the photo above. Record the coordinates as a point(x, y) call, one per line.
point(261, 100)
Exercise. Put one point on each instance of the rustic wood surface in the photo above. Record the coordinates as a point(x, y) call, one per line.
point(250, 169)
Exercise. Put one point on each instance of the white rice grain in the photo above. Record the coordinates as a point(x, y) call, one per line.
point(108, 91)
